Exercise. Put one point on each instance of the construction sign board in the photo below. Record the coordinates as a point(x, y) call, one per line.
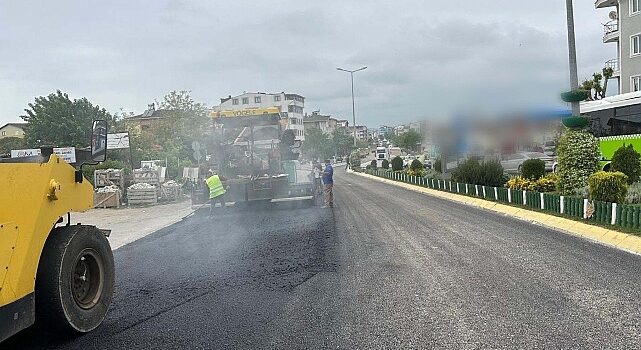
point(118, 140)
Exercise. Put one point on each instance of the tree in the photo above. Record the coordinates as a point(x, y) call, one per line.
point(598, 84)
point(408, 140)
point(182, 121)
point(343, 141)
point(318, 144)
point(56, 120)
point(9, 143)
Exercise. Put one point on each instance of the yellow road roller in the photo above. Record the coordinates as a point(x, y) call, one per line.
point(53, 274)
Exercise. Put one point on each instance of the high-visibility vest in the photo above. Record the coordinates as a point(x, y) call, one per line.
point(216, 187)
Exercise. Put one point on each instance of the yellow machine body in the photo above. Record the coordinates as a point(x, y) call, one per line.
point(33, 197)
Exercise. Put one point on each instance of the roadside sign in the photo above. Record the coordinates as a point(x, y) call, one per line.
point(20, 153)
point(118, 140)
point(68, 154)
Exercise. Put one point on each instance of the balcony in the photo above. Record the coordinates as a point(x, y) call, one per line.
point(601, 4)
point(611, 32)
point(614, 64)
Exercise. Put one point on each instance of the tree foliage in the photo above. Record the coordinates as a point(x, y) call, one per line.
point(9, 143)
point(318, 144)
point(182, 121)
point(628, 161)
point(408, 140)
point(598, 84)
point(56, 120)
point(578, 158)
point(343, 141)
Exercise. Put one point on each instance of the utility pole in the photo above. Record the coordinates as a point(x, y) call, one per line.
point(351, 73)
point(574, 75)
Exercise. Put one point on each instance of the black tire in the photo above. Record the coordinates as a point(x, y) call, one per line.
point(69, 297)
point(520, 169)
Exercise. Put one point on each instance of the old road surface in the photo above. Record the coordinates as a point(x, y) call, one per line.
point(386, 268)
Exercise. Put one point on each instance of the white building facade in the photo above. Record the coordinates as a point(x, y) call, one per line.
point(624, 29)
point(292, 107)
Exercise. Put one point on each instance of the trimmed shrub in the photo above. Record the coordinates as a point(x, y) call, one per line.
point(355, 160)
point(368, 167)
point(385, 164)
point(578, 152)
point(533, 169)
point(608, 186)
point(469, 172)
point(475, 173)
point(545, 184)
point(518, 183)
point(438, 165)
point(634, 194)
point(492, 174)
point(416, 168)
point(373, 165)
point(628, 161)
point(397, 163)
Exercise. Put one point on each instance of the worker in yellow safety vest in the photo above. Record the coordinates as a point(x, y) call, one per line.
point(216, 184)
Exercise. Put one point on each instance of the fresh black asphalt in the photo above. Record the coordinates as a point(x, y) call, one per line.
point(386, 268)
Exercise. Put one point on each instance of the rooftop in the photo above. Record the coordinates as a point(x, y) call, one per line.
point(17, 125)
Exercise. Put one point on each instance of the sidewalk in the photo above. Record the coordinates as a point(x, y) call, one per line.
point(129, 224)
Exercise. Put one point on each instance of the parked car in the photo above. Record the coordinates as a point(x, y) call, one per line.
point(513, 163)
point(549, 148)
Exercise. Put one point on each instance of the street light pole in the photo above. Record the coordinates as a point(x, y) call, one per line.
point(574, 75)
point(351, 73)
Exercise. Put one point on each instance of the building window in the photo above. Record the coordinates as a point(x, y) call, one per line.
point(635, 83)
point(295, 109)
point(4, 133)
point(257, 99)
point(245, 100)
point(277, 98)
point(634, 7)
point(234, 102)
point(635, 45)
point(292, 97)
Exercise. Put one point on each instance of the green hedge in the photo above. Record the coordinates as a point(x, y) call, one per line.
point(600, 209)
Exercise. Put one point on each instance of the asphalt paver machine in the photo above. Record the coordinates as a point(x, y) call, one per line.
point(252, 152)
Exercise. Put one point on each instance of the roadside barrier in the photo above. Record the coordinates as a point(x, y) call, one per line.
point(622, 215)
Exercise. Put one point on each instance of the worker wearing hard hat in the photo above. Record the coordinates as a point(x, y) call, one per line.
point(216, 184)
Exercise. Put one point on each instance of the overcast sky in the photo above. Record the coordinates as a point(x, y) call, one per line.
point(426, 58)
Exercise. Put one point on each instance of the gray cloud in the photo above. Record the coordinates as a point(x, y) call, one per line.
point(426, 58)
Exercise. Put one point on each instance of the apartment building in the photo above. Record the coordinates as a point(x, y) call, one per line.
point(291, 107)
point(326, 123)
point(624, 29)
point(361, 132)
